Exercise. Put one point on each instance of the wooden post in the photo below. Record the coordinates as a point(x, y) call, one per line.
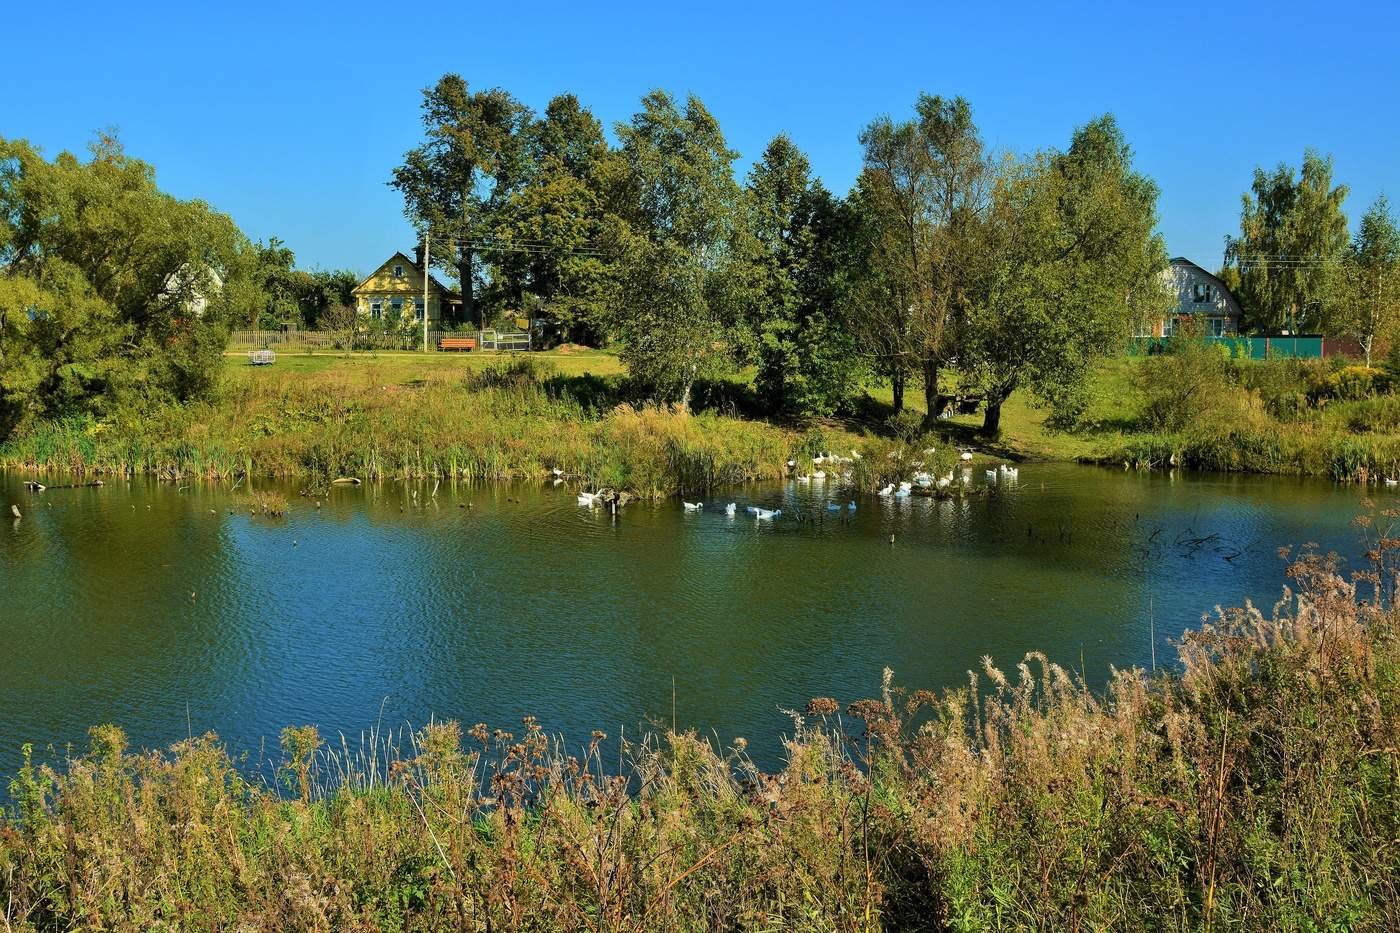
point(426, 238)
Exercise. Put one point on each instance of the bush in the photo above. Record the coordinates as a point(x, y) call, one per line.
point(907, 425)
point(1351, 383)
point(1184, 384)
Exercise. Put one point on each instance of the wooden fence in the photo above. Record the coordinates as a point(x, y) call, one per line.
point(340, 341)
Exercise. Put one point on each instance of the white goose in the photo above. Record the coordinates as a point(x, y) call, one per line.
point(1010, 472)
point(819, 474)
point(692, 506)
point(965, 456)
point(589, 499)
point(765, 515)
point(887, 491)
point(730, 509)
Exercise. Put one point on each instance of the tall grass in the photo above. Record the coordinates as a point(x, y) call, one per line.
point(1255, 787)
point(514, 420)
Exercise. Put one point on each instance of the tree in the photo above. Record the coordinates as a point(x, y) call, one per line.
point(1371, 283)
point(924, 181)
point(557, 219)
point(806, 363)
point(1292, 236)
point(682, 277)
point(111, 290)
point(1068, 260)
point(459, 178)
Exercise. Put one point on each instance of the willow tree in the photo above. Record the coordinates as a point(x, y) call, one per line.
point(457, 180)
point(1067, 260)
point(923, 184)
point(1292, 238)
point(683, 272)
point(111, 291)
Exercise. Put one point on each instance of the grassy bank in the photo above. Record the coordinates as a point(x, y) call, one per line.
point(1257, 788)
point(323, 417)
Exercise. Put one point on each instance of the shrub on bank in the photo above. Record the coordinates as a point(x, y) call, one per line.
point(1256, 786)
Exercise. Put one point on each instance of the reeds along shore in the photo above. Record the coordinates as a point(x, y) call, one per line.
point(511, 421)
point(1255, 787)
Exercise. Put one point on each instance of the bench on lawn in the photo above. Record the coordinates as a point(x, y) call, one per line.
point(261, 357)
point(456, 343)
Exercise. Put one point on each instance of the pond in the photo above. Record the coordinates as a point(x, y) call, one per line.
point(172, 610)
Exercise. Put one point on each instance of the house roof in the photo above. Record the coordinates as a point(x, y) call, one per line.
point(412, 265)
point(1225, 289)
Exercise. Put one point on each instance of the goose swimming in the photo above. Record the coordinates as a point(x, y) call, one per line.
point(730, 509)
point(767, 514)
point(692, 506)
point(588, 498)
point(886, 491)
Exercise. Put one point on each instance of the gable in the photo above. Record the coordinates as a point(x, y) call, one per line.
point(382, 281)
point(1198, 291)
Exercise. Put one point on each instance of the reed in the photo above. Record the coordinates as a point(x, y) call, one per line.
point(515, 420)
point(1257, 786)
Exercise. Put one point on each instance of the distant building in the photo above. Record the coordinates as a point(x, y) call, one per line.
point(394, 292)
point(191, 288)
point(1200, 297)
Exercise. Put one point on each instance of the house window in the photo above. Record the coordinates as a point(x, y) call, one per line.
point(1217, 327)
point(1169, 327)
point(1202, 292)
point(398, 272)
point(397, 305)
point(418, 309)
point(1142, 329)
point(376, 308)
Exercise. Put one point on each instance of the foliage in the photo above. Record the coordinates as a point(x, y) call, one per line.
point(1184, 385)
point(921, 192)
point(1256, 786)
point(111, 291)
point(807, 360)
point(297, 296)
point(1370, 283)
point(459, 179)
point(683, 278)
point(1292, 232)
point(1067, 237)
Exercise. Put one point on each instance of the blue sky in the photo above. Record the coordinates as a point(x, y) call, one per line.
point(291, 120)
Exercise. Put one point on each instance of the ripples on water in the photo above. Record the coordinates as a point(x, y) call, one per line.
point(171, 611)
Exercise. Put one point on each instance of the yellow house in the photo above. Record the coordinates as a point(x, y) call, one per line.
point(394, 292)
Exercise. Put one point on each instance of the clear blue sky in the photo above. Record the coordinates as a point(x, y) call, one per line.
point(291, 119)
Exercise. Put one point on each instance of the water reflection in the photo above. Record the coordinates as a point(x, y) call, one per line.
point(170, 610)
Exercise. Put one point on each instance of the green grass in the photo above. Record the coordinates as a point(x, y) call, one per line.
point(1257, 788)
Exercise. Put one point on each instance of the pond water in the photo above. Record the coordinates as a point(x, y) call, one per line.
point(171, 610)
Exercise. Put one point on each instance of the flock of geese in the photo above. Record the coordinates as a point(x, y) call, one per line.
point(922, 479)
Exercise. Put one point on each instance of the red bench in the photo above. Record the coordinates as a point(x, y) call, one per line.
point(456, 343)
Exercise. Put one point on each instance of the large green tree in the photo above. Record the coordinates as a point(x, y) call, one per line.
point(458, 180)
point(552, 229)
point(923, 186)
point(110, 289)
point(1292, 238)
point(806, 360)
point(1370, 306)
point(683, 275)
point(1067, 260)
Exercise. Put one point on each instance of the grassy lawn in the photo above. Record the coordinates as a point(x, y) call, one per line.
point(406, 368)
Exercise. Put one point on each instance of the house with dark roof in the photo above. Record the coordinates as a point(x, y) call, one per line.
point(1200, 297)
point(393, 293)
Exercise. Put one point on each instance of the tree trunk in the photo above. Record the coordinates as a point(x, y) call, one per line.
point(464, 274)
point(934, 401)
point(897, 388)
point(991, 419)
point(991, 416)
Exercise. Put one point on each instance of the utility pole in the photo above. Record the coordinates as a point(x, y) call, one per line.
point(426, 237)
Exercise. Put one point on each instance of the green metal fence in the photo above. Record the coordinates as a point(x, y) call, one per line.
point(1303, 347)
